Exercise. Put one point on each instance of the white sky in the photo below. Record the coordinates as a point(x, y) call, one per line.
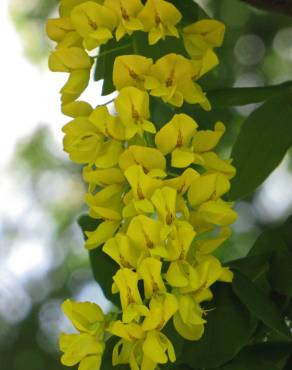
point(29, 96)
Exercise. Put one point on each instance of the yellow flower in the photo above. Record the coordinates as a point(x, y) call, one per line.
point(180, 240)
point(128, 331)
point(110, 126)
point(180, 273)
point(188, 321)
point(103, 177)
point(107, 203)
point(104, 232)
point(207, 246)
point(171, 79)
point(76, 109)
point(206, 187)
point(198, 223)
point(126, 350)
point(82, 348)
point(82, 140)
point(126, 11)
point(132, 106)
point(85, 316)
point(126, 283)
point(122, 251)
point(203, 276)
point(162, 307)
point(164, 201)
point(159, 19)
point(69, 59)
point(57, 29)
point(217, 212)
point(94, 23)
point(88, 346)
point(85, 143)
point(202, 66)
point(206, 140)
point(202, 36)
point(181, 184)
point(76, 84)
point(177, 133)
point(142, 187)
point(150, 272)
point(148, 235)
point(212, 162)
point(131, 70)
point(151, 160)
point(142, 350)
point(198, 151)
point(158, 348)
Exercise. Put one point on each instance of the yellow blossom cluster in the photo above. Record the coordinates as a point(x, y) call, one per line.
point(160, 206)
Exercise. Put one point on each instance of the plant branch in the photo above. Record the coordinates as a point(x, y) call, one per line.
point(279, 6)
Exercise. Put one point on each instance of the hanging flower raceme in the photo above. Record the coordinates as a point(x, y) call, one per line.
point(155, 189)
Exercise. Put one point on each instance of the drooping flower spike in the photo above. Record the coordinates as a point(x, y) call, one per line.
point(155, 189)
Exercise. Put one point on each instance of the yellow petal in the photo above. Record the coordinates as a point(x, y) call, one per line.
point(76, 84)
point(69, 59)
point(214, 163)
point(103, 177)
point(84, 315)
point(57, 29)
point(218, 213)
point(148, 158)
point(154, 348)
point(206, 140)
point(103, 232)
point(176, 133)
point(90, 363)
point(130, 70)
point(189, 332)
point(77, 109)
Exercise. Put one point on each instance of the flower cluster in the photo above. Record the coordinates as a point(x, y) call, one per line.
point(159, 200)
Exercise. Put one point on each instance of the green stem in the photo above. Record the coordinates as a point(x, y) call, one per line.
point(112, 50)
point(245, 95)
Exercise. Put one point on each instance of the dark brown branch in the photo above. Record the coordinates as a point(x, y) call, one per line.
point(279, 6)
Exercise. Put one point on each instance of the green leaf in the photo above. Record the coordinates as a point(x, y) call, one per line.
point(274, 246)
point(262, 356)
point(255, 268)
point(105, 61)
point(269, 241)
point(228, 329)
point(104, 268)
point(87, 223)
point(102, 265)
point(262, 143)
point(259, 304)
point(238, 96)
point(286, 232)
point(280, 273)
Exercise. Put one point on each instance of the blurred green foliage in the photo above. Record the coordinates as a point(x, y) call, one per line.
point(29, 17)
